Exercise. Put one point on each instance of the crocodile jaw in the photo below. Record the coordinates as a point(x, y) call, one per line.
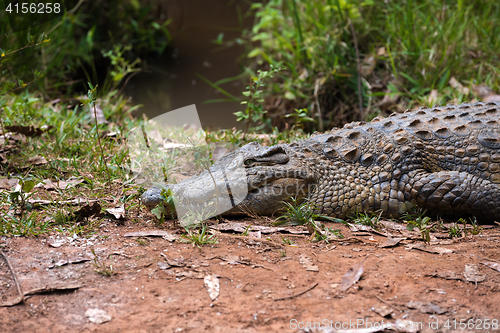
point(277, 175)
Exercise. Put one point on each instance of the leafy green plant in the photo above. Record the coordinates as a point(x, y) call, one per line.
point(323, 233)
point(254, 93)
point(68, 143)
point(167, 207)
point(424, 225)
point(414, 213)
point(300, 117)
point(199, 237)
point(302, 213)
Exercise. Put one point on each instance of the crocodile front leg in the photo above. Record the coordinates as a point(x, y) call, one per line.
point(454, 193)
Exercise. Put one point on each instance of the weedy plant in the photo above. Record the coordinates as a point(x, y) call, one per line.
point(199, 237)
point(20, 219)
point(476, 228)
point(370, 219)
point(142, 241)
point(455, 231)
point(100, 267)
point(424, 225)
point(302, 213)
point(167, 206)
point(254, 93)
point(298, 212)
point(282, 253)
point(287, 241)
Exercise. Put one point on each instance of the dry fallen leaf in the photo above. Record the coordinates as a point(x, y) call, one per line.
point(28, 130)
point(242, 227)
point(458, 86)
point(152, 233)
point(492, 265)
point(61, 184)
point(448, 275)
point(352, 276)
point(212, 284)
point(39, 202)
point(37, 160)
point(392, 242)
point(383, 310)
point(433, 97)
point(492, 98)
point(471, 273)
point(392, 94)
point(482, 90)
point(381, 52)
point(307, 264)
point(87, 211)
point(7, 184)
point(368, 65)
point(55, 287)
point(117, 212)
point(426, 308)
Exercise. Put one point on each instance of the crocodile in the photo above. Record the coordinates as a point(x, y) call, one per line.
point(444, 159)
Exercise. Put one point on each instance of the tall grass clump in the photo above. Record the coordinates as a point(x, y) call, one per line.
point(349, 60)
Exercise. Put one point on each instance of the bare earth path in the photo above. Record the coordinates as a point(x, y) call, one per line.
point(265, 286)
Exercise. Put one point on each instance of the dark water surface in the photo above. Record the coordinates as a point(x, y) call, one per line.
point(173, 82)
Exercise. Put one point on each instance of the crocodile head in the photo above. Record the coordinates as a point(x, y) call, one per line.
point(273, 174)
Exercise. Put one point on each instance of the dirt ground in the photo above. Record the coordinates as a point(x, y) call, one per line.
point(265, 285)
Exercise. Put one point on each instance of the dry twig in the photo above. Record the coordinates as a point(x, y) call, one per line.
point(299, 294)
point(20, 298)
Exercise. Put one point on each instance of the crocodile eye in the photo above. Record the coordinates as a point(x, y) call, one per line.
point(250, 161)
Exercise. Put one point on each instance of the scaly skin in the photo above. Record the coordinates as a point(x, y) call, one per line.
point(443, 159)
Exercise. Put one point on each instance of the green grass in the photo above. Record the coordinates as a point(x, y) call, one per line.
point(199, 237)
point(287, 241)
point(71, 149)
point(297, 212)
point(417, 46)
point(369, 219)
point(301, 212)
point(102, 268)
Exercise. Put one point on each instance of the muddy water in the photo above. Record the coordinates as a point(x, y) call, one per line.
point(173, 82)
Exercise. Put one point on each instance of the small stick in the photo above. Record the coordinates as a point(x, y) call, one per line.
point(346, 239)
point(360, 93)
point(99, 141)
point(299, 294)
point(257, 240)
point(21, 295)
